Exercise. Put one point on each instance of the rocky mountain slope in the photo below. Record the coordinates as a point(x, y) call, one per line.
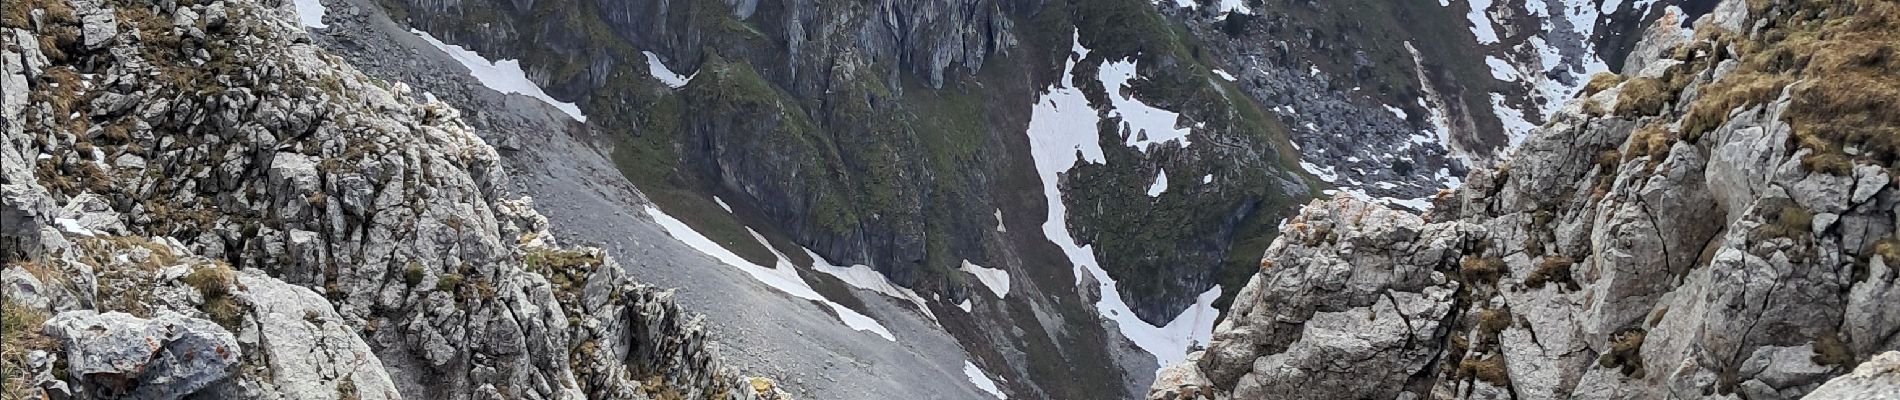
point(200, 202)
point(1715, 222)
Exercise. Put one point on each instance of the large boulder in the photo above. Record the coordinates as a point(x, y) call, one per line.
point(117, 355)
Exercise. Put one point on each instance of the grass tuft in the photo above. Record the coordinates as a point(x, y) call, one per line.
point(1644, 96)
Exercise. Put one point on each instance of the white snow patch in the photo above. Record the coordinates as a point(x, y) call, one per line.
point(1225, 6)
point(1324, 173)
point(1420, 204)
point(1160, 185)
point(1644, 5)
point(1609, 6)
point(1062, 127)
point(864, 277)
point(72, 226)
point(782, 276)
point(1237, 6)
point(1206, 179)
point(1515, 126)
point(1432, 103)
point(982, 380)
point(1500, 69)
point(1396, 112)
point(995, 278)
point(1147, 125)
point(310, 14)
point(722, 204)
point(664, 74)
point(1061, 130)
point(999, 222)
point(504, 76)
point(1224, 75)
point(1481, 22)
point(965, 305)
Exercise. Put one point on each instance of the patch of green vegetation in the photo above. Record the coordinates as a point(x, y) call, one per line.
point(1115, 29)
point(566, 269)
point(450, 283)
point(412, 273)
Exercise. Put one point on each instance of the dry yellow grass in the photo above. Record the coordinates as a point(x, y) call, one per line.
point(1836, 60)
point(1601, 81)
point(20, 330)
point(1644, 96)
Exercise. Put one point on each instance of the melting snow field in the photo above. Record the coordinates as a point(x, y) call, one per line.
point(1160, 185)
point(310, 14)
point(782, 276)
point(994, 278)
point(664, 74)
point(1225, 6)
point(864, 277)
point(1061, 132)
point(1146, 124)
point(981, 379)
point(1481, 22)
point(504, 76)
point(1515, 125)
point(1500, 69)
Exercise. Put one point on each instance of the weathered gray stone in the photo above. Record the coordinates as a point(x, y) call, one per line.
point(98, 27)
point(1869, 180)
point(167, 357)
point(312, 353)
point(1876, 379)
point(1718, 269)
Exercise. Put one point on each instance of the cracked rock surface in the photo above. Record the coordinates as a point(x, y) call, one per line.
point(1598, 263)
point(199, 202)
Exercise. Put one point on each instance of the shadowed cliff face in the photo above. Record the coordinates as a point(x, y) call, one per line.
point(886, 134)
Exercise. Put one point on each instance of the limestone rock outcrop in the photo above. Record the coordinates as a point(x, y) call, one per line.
point(1628, 249)
point(198, 201)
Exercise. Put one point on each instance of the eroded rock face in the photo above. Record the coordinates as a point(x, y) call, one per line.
point(212, 206)
point(167, 357)
point(1603, 261)
point(1355, 289)
point(1873, 380)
